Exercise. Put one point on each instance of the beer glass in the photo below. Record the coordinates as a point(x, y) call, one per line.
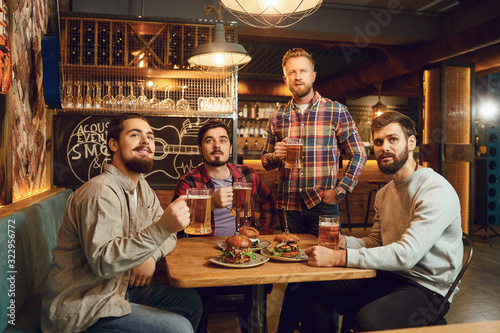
point(199, 202)
point(329, 231)
point(242, 202)
point(294, 149)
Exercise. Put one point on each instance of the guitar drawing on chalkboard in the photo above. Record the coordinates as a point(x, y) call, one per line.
point(87, 150)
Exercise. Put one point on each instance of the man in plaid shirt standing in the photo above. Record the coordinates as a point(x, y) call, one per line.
point(325, 127)
point(216, 173)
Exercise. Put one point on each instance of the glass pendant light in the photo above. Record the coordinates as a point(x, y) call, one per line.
point(271, 13)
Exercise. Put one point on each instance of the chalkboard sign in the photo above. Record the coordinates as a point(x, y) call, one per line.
point(80, 149)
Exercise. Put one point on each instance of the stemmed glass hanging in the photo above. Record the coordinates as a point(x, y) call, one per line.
point(167, 103)
point(69, 99)
point(182, 104)
point(154, 102)
point(109, 100)
point(142, 99)
point(87, 101)
point(131, 100)
point(98, 102)
point(120, 98)
point(79, 97)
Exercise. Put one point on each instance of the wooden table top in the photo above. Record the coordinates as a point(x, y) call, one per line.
point(483, 327)
point(188, 266)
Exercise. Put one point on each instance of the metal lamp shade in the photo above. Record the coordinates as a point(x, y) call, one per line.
point(271, 13)
point(219, 56)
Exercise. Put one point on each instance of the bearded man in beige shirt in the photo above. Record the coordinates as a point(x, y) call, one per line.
point(113, 233)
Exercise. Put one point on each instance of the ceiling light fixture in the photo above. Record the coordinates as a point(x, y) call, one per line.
point(378, 108)
point(219, 57)
point(271, 13)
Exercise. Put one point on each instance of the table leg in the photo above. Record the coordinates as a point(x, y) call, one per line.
point(259, 302)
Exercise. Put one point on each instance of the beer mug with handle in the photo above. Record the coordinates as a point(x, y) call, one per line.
point(199, 202)
point(294, 151)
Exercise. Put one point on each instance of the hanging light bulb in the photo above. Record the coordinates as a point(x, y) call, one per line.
point(378, 108)
point(219, 57)
point(271, 13)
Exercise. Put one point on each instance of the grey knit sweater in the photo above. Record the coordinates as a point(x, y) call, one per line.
point(416, 232)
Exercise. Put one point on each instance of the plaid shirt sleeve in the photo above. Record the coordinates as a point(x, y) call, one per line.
point(269, 160)
point(352, 143)
point(182, 186)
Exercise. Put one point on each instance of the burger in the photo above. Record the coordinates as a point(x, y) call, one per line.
point(238, 250)
point(251, 233)
point(287, 245)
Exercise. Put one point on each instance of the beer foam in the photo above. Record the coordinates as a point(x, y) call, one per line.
point(199, 197)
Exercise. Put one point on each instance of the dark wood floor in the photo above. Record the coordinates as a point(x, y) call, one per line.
point(477, 300)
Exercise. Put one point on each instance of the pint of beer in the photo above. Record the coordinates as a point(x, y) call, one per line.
point(242, 199)
point(329, 227)
point(199, 202)
point(294, 151)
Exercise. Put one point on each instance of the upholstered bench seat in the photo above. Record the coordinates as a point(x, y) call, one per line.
point(30, 235)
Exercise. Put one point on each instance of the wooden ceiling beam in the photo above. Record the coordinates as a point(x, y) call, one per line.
point(414, 59)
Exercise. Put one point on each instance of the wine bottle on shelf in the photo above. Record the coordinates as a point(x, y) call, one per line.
point(88, 46)
point(103, 46)
point(73, 55)
point(118, 48)
point(175, 50)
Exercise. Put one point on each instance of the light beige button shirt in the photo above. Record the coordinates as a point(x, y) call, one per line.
point(103, 236)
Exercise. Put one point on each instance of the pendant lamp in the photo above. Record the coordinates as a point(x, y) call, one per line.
point(378, 108)
point(271, 13)
point(219, 57)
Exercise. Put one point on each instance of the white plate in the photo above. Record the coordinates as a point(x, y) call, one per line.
point(299, 257)
point(259, 260)
point(262, 245)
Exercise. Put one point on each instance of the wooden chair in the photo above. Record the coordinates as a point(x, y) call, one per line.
point(380, 183)
point(349, 311)
point(468, 252)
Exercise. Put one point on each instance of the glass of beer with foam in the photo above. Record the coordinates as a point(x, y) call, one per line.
point(199, 202)
point(294, 151)
point(329, 231)
point(242, 199)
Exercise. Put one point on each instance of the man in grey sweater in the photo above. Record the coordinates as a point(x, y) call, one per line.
point(415, 244)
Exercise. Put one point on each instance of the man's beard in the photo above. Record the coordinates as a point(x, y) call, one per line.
point(219, 161)
point(396, 165)
point(300, 92)
point(142, 164)
point(139, 165)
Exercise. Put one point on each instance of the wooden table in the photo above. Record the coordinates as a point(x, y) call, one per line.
point(188, 266)
point(483, 327)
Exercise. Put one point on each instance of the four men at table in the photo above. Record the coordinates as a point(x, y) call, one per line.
point(114, 230)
